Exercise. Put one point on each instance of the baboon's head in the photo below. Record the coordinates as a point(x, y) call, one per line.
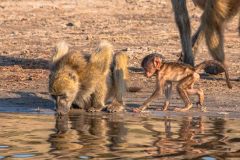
point(151, 63)
point(63, 87)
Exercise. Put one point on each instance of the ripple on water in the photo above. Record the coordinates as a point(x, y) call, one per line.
point(84, 157)
point(208, 158)
point(23, 155)
point(3, 146)
point(121, 136)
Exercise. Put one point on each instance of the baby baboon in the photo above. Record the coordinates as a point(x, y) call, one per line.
point(185, 75)
point(88, 81)
point(216, 13)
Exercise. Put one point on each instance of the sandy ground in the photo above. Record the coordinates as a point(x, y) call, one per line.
point(29, 30)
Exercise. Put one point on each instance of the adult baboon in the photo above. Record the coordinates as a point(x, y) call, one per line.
point(216, 13)
point(88, 81)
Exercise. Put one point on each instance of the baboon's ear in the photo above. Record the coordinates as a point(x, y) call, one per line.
point(72, 76)
point(157, 62)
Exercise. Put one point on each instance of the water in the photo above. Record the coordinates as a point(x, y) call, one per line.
point(118, 136)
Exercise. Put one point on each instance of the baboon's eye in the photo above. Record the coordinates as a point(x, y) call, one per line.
point(72, 76)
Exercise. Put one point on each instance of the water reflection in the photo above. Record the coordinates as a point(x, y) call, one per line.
point(87, 135)
point(118, 136)
point(115, 136)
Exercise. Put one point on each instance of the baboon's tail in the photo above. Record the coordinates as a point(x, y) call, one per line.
point(120, 74)
point(102, 58)
point(210, 63)
point(61, 50)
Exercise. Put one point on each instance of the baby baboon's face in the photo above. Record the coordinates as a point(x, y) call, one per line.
point(149, 70)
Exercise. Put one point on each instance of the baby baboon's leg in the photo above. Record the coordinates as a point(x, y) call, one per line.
point(168, 92)
point(183, 94)
point(158, 91)
point(146, 103)
point(183, 23)
point(196, 91)
point(200, 93)
point(183, 87)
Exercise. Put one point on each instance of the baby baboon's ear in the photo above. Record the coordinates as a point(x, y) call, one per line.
point(73, 76)
point(157, 62)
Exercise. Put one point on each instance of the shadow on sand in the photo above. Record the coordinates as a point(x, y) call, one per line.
point(24, 62)
point(27, 102)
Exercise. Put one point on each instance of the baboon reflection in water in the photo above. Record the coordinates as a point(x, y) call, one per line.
point(98, 135)
point(87, 134)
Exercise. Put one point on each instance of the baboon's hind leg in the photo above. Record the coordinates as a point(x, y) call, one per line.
point(182, 89)
point(183, 23)
point(200, 93)
point(197, 38)
point(212, 22)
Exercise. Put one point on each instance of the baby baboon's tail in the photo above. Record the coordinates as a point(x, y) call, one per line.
point(214, 62)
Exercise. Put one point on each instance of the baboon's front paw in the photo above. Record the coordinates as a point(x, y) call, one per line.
point(115, 108)
point(137, 110)
point(213, 70)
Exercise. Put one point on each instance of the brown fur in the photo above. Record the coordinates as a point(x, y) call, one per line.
point(215, 15)
point(87, 80)
point(185, 75)
point(200, 3)
point(118, 84)
point(239, 25)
